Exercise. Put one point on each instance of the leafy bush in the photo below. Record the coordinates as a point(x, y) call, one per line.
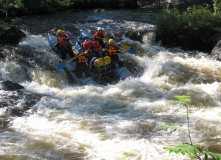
point(194, 17)
point(216, 6)
point(169, 23)
point(38, 6)
point(196, 23)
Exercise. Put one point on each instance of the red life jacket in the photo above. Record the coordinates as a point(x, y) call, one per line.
point(100, 36)
point(63, 40)
point(90, 44)
point(82, 59)
point(111, 52)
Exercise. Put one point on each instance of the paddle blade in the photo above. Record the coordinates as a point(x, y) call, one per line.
point(125, 47)
point(132, 51)
point(61, 66)
point(51, 45)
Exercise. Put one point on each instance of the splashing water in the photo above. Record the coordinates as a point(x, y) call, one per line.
point(111, 122)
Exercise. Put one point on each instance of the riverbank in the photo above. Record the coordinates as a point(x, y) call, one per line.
point(28, 7)
point(197, 28)
point(201, 39)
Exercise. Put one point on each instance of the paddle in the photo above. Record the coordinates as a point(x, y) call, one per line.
point(62, 65)
point(127, 48)
point(51, 45)
point(131, 51)
point(111, 50)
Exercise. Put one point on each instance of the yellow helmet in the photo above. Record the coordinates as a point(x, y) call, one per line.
point(59, 31)
point(111, 41)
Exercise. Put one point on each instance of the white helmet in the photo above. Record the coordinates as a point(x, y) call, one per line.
point(99, 28)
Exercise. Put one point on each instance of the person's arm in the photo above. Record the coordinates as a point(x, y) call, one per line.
point(95, 35)
point(118, 49)
point(86, 52)
point(105, 36)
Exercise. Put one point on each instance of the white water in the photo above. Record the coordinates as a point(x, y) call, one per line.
point(118, 121)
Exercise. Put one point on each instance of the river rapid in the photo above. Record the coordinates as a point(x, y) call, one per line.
point(115, 121)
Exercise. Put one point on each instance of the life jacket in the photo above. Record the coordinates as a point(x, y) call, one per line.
point(112, 50)
point(63, 39)
point(82, 59)
point(99, 36)
point(90, 44)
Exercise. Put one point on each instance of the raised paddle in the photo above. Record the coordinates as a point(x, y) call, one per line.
point(131, 51)
point(62, 65)
point(127, 48)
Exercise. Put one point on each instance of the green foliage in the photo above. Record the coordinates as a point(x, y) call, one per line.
point(17, 4)
point(174, 21)
point(193, 151)
point(199, 17)
point(174, 128)
point(42, 6)
point(127, 155)
point(185, 148)
point(46, 5)
point(66, 3)
point(217, 6)
point(168, 23)
point(182, 99)
point(213, 155)
point(37, 6)
point(2, 6)
point(197, 22)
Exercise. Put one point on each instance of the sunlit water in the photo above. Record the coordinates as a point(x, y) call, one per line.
point(109, 122)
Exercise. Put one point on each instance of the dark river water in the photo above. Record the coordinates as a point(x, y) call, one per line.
point(108, 122)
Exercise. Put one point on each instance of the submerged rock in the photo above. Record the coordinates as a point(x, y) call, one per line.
point(2, 55)
point(10, 34)
point(216, 52)
point(21, 102)
point(16, 102)
point(10, 86)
